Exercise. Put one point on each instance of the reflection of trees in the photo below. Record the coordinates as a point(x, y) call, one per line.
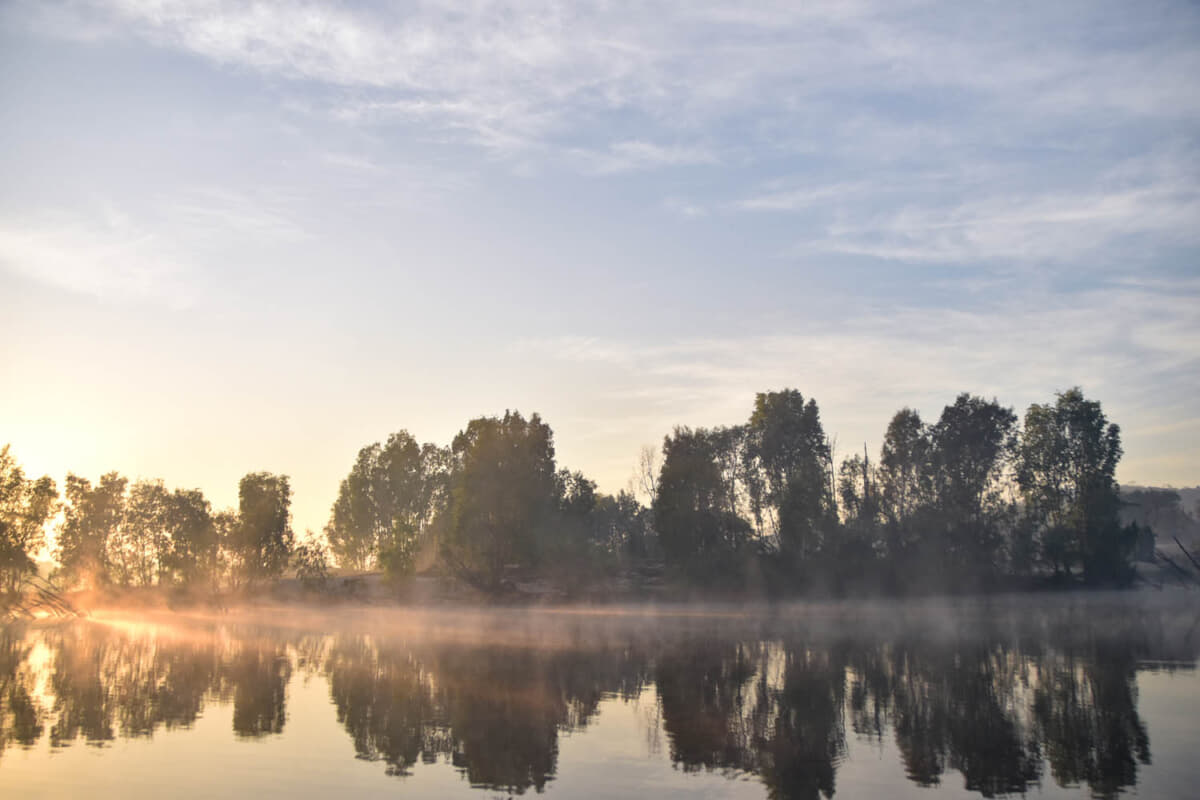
point(807, 737)
point(1000, 706)
point(987, 711)
point(153, 683)
point(385, 701)
point(775, 711)
point(495, 713)
point(258, 678)
point(1086, 710)
point(107, 682)
point(82, 701)
point(20, 714)
point(704, 691)
point(960, 707)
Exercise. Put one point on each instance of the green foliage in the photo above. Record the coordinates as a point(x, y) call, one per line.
point(191, 553)
point(970, 456)
point(399, 559)
point(961, 504)
point(623, 528)
point(503, 490)
point(263, 538)
point(91, 517)
point(392, 489)
point(858, 490)
point(25, 505)
point(1066, 470)
point(790, 471)
point(697, 507)
point(137, 545)
point(311, 560)
point(904, 477)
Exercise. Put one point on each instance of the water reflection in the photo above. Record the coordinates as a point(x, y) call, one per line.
point(1008, 699)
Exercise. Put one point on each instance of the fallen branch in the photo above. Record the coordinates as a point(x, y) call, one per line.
point(1186, 553)
point(1183, 573)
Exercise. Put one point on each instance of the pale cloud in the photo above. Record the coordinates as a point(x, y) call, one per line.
point(684, 208)
point(508, 75)
point(105, 255)
point(1047, 228)
point(942, 177)
point(260, 215)
point(804, 198)
point(1108, 340)
point(639, 155)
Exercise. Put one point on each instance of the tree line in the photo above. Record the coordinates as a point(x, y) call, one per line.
point(974, 500)
point(114, 533)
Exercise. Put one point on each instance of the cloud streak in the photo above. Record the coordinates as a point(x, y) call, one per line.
point(107, 256)
point(512, 72)
point(1107, 340)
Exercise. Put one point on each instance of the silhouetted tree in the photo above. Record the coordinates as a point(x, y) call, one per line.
point(697, 510)
point(191, 555)
point(857, 549)
point(136, 547)
point(904, 477)
point(970, 453)
point(790, 469)
point(25, 505)
point(502, 490)
point(392, 494)
point(1067, 460)
point(311, 560)
point(91, 516)
point(263, 538)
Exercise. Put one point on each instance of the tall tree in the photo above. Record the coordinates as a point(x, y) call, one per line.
point(25, 505)
point(91, 516)
point(696, 510)
point(791, 462)
point(192, 554)
point(388, 500)
point(264, 532)
point(904, 477)
point(354, 525)
point(970, 454)
point(137, 547)
point(502, 491)
point(1066, 469)
point(858, 489)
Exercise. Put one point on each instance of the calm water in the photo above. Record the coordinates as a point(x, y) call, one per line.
point(1086, 697)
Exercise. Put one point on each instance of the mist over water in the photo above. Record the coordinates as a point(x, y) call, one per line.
point(1071, 696)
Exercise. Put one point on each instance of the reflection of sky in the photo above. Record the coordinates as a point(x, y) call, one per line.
point(239, 237)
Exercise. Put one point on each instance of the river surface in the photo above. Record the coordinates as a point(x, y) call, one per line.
point(1087, 696)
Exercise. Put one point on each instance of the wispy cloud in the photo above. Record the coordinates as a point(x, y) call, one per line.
point(638, 155)
point(684, 208)
point(505, 74)
point(1109, 340)
point(215, 210)
point(106, 255)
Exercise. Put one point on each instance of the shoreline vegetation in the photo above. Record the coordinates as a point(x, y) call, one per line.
point(973, 503)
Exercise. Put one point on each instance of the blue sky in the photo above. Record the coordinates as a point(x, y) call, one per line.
point(240, 236)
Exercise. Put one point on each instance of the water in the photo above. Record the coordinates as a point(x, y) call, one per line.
point(1092, 696)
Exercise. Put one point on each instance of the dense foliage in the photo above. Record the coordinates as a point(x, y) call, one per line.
point(972, 501)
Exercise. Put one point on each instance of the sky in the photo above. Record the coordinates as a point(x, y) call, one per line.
point(242, 236)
